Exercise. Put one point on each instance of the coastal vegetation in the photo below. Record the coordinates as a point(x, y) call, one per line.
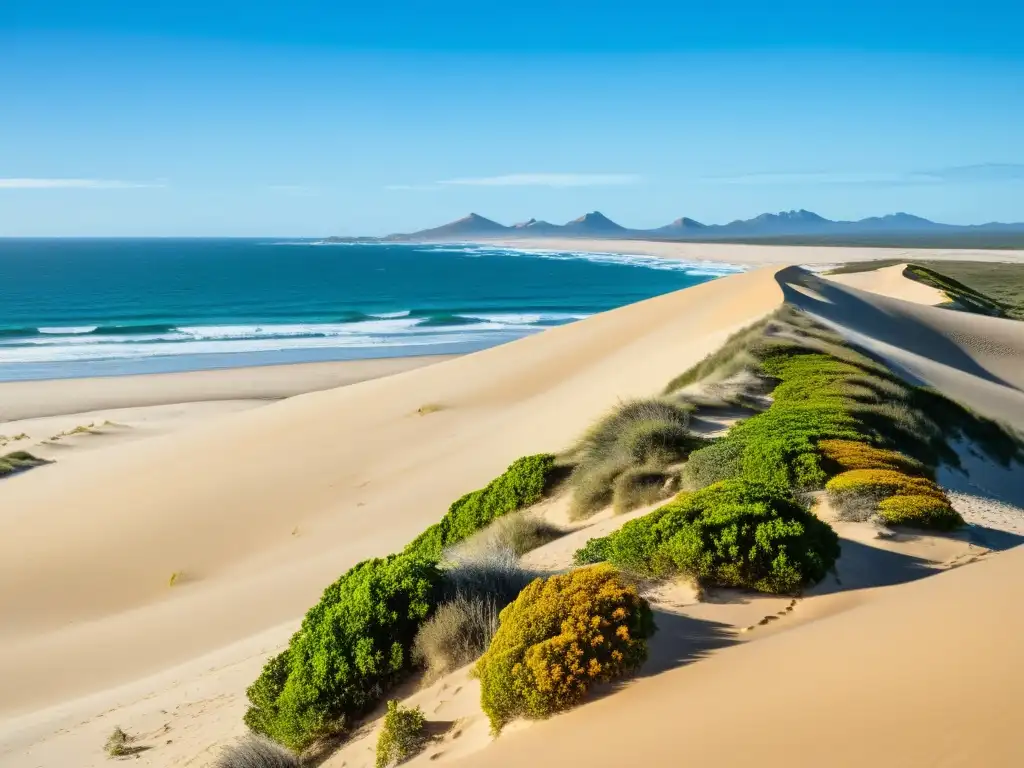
point(560, 637)
point(402, 736)
point(623, 458)
point(256, 752)
point(18, 461)
point(734, 533)
point(356, 644)
point(828, 419)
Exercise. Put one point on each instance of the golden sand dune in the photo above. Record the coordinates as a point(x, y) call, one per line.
point(258, 511)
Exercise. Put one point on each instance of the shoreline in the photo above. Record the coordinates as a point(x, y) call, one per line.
point(65, 396)
point(752, 255)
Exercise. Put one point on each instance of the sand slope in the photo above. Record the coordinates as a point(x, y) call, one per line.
point(925, 675)
point(259, 511)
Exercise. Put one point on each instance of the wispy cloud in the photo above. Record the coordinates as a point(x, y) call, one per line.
point(985, 172)
point(982, 172)
point(7, 183)
point(548, 180)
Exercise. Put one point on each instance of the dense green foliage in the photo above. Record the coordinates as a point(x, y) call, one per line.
point(522, 484)
point(353, 646)
point(594, 551)
point(356, 643)
point(402, 736)
point(734, 533)
point(561, 636)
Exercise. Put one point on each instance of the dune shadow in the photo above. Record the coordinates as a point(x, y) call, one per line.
point(844, 307)
point(992, 538)
point(682, 639)
point(435, 729)
point(864, 567)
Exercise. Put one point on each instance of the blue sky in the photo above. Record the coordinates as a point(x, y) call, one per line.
point(308, 119)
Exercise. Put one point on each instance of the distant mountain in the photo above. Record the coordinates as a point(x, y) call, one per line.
point(467, 228)
point(799, 224)
point(680, 227)
point(593, 224)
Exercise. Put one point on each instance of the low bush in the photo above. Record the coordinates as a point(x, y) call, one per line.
point(844, 455)
point(639, 486)
point(734, 533)
point(352, 647)
point(561, 636)
point(256, 752)
point(898, 498)
point(524, 483)
point(402, 736)
point(18, 461)
point(594, 551)
point(119, 744)
point(919, 511)
point(646, 435)
point(722, 460)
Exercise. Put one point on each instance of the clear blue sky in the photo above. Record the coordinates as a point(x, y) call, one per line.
point(307, 119)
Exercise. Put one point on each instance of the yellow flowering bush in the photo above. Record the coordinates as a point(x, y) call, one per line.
point(899, 499)
point(853, 454)
point(562, 635)
point(919, 511)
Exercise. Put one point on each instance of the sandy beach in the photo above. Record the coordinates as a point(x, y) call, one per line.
point(177, 539)
point(758, 255)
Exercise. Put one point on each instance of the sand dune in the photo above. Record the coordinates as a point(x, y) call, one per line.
point(259, 510)
point(891, 282)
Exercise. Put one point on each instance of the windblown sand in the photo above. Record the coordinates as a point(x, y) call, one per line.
point(258, 510)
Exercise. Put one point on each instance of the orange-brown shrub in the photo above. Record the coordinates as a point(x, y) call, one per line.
point(562, 635)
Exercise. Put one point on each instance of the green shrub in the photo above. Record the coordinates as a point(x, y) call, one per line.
point(722, 460)
point(734, 533)
point(524, 483)
point(594, 551)
point(18, 461)
point(352, 647)
point(562, 635)
point(403, 735)
point(919, 511)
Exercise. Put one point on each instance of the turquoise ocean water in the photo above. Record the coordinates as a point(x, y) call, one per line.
point(108, 307)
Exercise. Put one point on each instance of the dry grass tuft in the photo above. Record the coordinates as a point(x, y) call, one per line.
point(256, 752)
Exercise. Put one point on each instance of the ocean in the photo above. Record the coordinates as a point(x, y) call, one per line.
point(98, 307)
